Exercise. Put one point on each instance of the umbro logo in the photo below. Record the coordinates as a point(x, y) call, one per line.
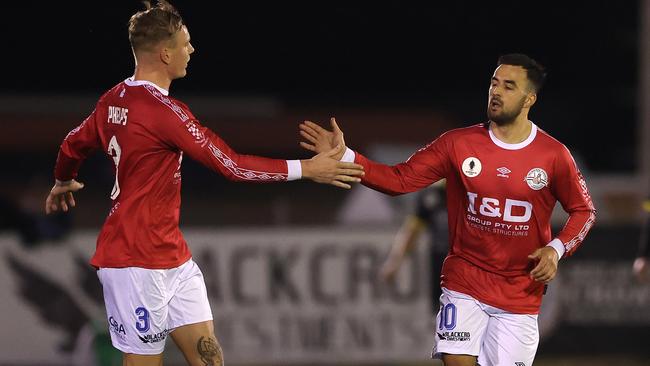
point(503, 172)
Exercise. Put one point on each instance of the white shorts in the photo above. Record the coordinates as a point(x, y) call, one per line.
point(466, 326)
point(144, 305)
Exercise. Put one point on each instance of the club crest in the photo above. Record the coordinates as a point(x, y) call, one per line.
point(537, 178)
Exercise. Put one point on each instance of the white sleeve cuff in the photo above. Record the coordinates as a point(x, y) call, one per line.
point(558, 246)
point(348, 156)
point(294, 170)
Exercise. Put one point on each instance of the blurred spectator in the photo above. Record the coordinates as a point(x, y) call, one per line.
point(641, 263)
point(430, 214)
point(23, 215)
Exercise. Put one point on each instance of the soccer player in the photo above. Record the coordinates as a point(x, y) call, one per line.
point(430, 215)
point(504, 177)
point(152, 288)
point(641, 265)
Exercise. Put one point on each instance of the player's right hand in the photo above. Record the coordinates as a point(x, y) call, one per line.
point(321, 140)
point(61, 197)
point(324, 168)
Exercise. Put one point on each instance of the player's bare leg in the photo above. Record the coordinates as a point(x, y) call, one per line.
point(130, 359)
point(199, 344)
point(459, 360)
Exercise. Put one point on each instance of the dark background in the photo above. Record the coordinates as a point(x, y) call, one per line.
point(340, 54)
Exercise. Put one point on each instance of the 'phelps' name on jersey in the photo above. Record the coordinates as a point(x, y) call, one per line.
point(117, 115)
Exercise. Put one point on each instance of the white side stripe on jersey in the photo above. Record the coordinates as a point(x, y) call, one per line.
point(224, 159)
point(583, 232)
point(592, 216)
point(76, 129)
point(243, 173)
point(166, 101)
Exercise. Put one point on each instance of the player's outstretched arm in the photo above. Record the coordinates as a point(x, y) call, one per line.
point(61, 196)
point(423, 168)
point(321, 140)
point(326, 168)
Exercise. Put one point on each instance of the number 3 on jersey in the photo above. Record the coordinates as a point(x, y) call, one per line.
point(115, 151)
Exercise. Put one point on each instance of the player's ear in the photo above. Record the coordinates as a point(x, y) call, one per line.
point(531, 98)
point(165, 55)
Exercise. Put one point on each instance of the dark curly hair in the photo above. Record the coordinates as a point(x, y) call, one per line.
point(534, 70)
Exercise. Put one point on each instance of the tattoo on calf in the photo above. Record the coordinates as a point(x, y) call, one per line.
point(210, 351)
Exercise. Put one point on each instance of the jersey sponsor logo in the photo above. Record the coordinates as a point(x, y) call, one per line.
point(537, 178)
point(471, 167)
point(512, 215)
point(491, 207)
point(117, 115)
point(503, 172)
point(520, 364)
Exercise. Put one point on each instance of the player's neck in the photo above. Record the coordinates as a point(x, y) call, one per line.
point(513, 133)
point(155, 76)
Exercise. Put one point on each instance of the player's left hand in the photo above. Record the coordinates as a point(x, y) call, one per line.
point(546, 267)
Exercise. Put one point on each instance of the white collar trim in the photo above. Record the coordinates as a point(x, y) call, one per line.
point(517, 146)
point(130, 82)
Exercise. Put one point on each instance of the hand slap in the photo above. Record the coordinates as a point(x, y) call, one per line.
point(319, 140)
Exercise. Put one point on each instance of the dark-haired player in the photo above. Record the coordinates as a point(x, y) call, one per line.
point(504, 177)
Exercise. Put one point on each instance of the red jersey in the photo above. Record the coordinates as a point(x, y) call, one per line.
point(499, 199)
point(146, 133)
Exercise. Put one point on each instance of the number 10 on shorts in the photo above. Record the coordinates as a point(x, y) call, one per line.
point(447, 317)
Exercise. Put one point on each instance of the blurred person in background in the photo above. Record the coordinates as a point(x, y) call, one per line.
point(503, 180)
point(152, 288)
point(641, 265)
point(430, 215)
point(21, 212)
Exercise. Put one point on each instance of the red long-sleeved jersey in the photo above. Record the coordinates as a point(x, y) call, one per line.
point(145, 133)
point(499, 200)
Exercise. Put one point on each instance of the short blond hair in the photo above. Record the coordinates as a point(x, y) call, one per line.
point(149, 27)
